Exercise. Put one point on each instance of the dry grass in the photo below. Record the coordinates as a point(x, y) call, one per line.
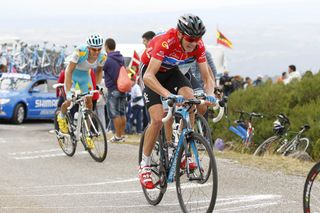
point(271, 162)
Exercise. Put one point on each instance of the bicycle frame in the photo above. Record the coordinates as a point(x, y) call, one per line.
point(245, 134)
point(186, 130)
point(291, 144)
point(81, 114)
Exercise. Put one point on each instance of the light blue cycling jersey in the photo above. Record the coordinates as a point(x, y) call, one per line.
point(81, 79)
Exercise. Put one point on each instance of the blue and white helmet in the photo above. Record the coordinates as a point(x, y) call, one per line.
point(95, 41)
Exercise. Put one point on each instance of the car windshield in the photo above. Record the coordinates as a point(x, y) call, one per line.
point(14, 84)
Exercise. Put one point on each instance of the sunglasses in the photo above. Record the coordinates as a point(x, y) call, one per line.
point(191, 39)
point(95, 50)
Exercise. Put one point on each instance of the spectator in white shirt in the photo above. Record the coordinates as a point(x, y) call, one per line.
point(293, 74)
point(137, 105)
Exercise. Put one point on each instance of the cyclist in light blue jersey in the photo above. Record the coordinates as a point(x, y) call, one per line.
point(77, 77)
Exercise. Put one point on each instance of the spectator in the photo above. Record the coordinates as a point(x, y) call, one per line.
point(293, 74)
point(137, 105)
point(282, 78)
point(101, 103)
point(226, 83)
point(258, 81)
point(116, 104)
point(247, 83)
point(237, 82)
point(195, 68)
point(146, 38)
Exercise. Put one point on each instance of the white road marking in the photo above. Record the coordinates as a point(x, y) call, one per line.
point(2, 140)
point(34, 152)
point(84, 184)
point(45, 156)
point(250, 198)
point(30, 155)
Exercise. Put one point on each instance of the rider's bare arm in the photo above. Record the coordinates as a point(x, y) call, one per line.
point(150, 79)
point(207, 78)
point(68, 76)
point(99, 74)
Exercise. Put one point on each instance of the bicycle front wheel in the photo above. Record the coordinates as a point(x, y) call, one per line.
point(269, 146)
point(311, 192)
point(94, 136)
point(154, 196)
point(66, 142)
point(196, 191)
point(202, 127)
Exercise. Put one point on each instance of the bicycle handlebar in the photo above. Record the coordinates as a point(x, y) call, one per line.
point(251, 114)
point(171, 105)
point(79, 97)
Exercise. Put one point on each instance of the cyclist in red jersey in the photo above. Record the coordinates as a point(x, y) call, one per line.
point(162, 78)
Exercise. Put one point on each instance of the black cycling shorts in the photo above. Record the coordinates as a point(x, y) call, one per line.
point(172, 80)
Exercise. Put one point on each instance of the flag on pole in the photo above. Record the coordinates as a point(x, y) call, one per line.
point(221, 39)
point(135, 61)
point(134, 64)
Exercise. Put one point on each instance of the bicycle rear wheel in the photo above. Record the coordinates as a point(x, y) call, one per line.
point(202, 127)
point(301, 146)
point(196, 193)
point(95, 137)
point(267, 147)
point(65, 141)
point(154, 196)
point(311, 192)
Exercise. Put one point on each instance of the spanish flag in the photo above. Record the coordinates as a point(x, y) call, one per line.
point(221, 39)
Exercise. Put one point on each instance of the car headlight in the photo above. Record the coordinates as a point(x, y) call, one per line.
point(4, 100)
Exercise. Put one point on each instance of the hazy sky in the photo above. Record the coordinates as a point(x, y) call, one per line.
point(268, 35)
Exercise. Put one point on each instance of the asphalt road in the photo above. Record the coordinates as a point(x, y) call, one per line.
point(36, 176)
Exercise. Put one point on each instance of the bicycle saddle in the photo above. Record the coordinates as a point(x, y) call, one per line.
point(305, 126)
point(239, 122)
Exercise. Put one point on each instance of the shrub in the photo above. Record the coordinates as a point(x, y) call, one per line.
point(299, 100)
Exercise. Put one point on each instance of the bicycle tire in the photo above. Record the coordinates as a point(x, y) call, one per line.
point(301, 146)
point(155, 195)
point(202, 127)
point(67, 145)
point(310, 204)
point(266, 146)
point(57, 66)
point(98, 151)
point(48, 70)
point(196, 174)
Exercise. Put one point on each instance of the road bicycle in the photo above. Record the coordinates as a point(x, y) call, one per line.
point(191, 165)
point(58, 62)
point(201, 124)
point(85, 126)
point(40, 64)
point(280, 143)
point(21, 58)
point(244, 127)
point(311, 191)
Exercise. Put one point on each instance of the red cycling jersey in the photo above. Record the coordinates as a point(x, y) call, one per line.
point(167, 48)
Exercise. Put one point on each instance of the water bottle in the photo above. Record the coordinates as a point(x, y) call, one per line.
point(75, 118)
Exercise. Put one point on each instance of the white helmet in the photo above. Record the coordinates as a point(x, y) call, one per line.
point(95, 41)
